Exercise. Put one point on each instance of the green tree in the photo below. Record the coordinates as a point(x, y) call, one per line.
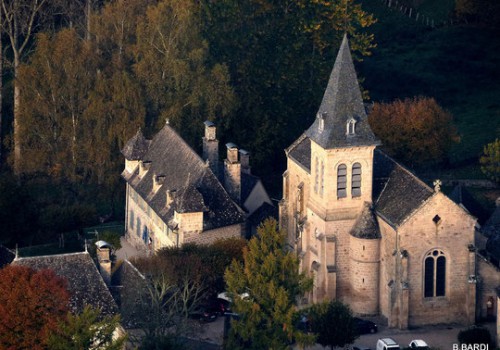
point(415, 130)
point(171, 64)
point(31, 304)
point(87, 331)
point(333, 323)
point(270, 276)
point(490, 160)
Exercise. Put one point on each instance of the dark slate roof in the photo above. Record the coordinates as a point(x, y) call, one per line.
point(248, 182)
point(492, 225)
point(84, 281)
point(401, 192)
point(341, 102)
point(300, 151)
point(366, 226)
point(460, 195)
point(493, 246)
point(263, 212)
point(6, 256)
point(185, 173)
point(136, 147)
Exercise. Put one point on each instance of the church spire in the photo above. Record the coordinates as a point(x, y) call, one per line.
point(341, 120)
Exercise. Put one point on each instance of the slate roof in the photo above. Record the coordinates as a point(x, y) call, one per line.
point(84, 281)
point(492, 225)
point(265, 211)
point(341, 102)
point(401, 192)
point(6, 256)
point(183, 171)
point(366, 225)
point(248, 182)
point(300, 151)
point(136, 147)
point(461, 196)
point(493, 247)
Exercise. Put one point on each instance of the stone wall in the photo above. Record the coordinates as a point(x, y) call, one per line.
point(488, 282)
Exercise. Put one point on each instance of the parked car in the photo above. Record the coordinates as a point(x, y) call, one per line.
point(418, 344)
point(203, 314)
point(387, 344)
point(218, 305)
point(365, 326)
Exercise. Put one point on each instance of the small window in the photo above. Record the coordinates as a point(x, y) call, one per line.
point(342, 181)
point(322, 185)
point(356, 180)
point(138, 227)
point(316, 170)
point(131, 223)
point(351, 126)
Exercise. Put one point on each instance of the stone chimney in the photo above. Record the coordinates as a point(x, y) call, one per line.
point(245, 161)
point(211, 147)
point(170, 197)
point(104, 259)
point(232, 173)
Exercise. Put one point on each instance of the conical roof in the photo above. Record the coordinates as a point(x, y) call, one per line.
point(342, 102)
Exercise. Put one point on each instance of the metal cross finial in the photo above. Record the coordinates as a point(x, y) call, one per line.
point(437, 185)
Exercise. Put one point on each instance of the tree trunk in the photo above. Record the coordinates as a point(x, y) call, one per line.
point(17, 104)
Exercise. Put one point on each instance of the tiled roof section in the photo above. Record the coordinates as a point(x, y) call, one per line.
point(492, 225)
point(84, 281)
point(265, 211)
point(401, 192)
point(136, 147)
point(366, 226)
point(300, 151)
point(493, 246)
point(248, 182)
point(341, 102)
point(6, 256)
point(460, 195)
point(189, 200)
point(181, 168)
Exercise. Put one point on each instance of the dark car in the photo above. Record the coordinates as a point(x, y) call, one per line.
point(365, 326)
point(203, 314)
point(220, 306)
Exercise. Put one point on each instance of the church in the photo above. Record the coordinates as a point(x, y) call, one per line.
point(369, 232)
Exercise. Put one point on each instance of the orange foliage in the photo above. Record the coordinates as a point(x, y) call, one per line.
point(31, 305)
point(416, 131)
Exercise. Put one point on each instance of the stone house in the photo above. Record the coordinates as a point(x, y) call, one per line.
point(174, 196)
point(369, 231)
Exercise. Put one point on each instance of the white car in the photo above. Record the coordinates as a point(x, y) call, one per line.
point(419, 344)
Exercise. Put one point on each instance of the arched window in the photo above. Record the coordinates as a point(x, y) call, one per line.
point(434, 274)
point(356, 180)
point(351, 126)
point(341, 181)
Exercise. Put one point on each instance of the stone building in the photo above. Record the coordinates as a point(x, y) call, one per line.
point(368, 230)
point(174, 196)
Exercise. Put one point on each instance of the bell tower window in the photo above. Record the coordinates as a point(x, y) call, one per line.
point(356, 180)
point(351, 126)
point(342, 181)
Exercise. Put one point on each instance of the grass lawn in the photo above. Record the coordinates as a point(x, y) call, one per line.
point(457, 65)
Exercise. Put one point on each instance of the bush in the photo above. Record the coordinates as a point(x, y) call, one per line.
point(475, 335)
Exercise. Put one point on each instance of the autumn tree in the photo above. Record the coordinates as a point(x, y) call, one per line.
point(32, 303)
point(270, 277)
point(490, 160)
point(417, 131)
point(172, 65)
point(333, 323)
point(88, 330)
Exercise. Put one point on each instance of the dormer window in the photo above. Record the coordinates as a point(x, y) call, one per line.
point(321, 120)
point(351, 126)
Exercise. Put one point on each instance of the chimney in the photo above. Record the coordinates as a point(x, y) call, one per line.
point(158, 181)
point(144, 167)
point(245, 161)
point(211, 147)
point(104, 258)
point(232, 172)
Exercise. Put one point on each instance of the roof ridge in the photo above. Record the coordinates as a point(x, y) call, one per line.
point(295, 143)
point(408, 172)
point(48, 256)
